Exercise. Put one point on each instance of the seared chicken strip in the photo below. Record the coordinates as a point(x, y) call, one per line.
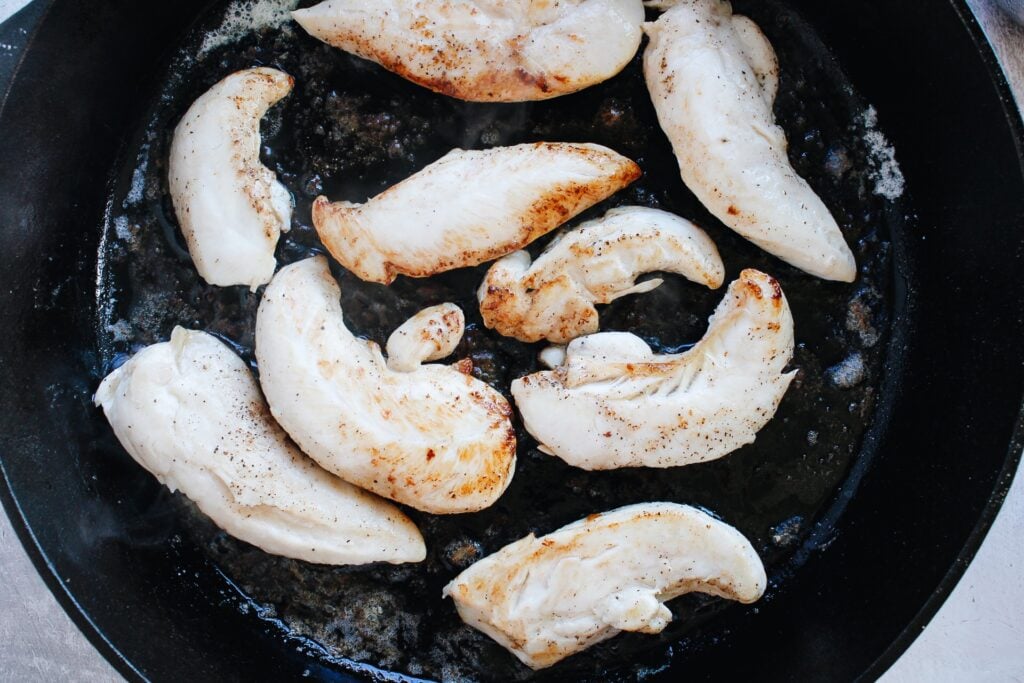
point(429, 436)
point(713, 78)
point(190, 412)
point(615, 403)
point(431, 334)
point(469, 207)
point(553, 298)
point(486, 50)
point(231, 207)
point(550, 597)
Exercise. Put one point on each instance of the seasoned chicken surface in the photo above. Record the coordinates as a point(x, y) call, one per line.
point(230, 206)
point(431, 334)
point(469, 207)
point(553, 297)
point(486, 50)
point(615, 403)
point(550, 597)
point(429, 436)
point(189, 411)
point(713, 77)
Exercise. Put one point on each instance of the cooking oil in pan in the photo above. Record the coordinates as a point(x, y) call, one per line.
point(349, 130)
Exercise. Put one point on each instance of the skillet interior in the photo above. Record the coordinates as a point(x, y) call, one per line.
point(349, 130)
point(804, 624)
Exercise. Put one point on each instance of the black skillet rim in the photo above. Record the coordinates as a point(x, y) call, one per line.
point(1013, 114)
point(44, 568)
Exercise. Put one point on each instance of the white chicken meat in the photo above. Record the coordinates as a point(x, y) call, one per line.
point(486, 50)
point(190, 412)
point(429, 436)
point(550, 597)
point(469, 207)
point(615, 403)
point(431, 334)
point(231, 207)
point(713, 77)
point(553, 297)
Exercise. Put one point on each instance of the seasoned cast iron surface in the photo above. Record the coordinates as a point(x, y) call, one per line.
point(350, 130)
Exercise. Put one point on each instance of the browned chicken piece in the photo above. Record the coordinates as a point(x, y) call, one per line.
point(553, 297)
point(550, 597)
point(430, 436)
point(486, 50)
point(469, 207)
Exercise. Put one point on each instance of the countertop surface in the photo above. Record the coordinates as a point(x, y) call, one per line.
point(977, 635)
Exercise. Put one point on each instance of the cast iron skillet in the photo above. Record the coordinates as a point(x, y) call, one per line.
point(900, 532)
